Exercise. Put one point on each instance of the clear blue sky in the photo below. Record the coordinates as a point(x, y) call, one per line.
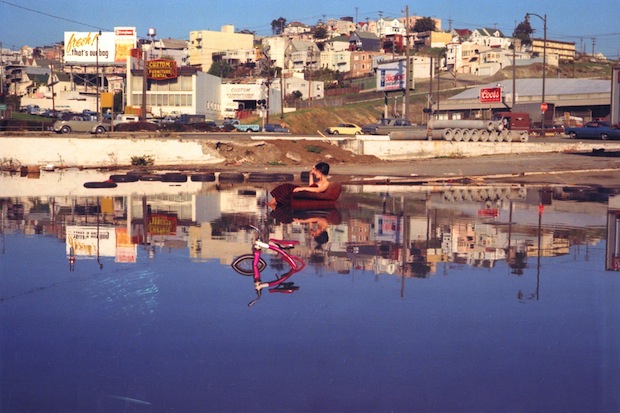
point(43, 22)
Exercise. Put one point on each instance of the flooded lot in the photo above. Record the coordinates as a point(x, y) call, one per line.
point(413, 298)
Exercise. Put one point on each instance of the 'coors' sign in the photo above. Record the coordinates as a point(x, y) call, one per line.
point(490, 95)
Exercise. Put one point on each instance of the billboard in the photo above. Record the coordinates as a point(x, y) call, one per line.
point(391, 75)
point(615, 95)
point(161, 69)
point(103, 48)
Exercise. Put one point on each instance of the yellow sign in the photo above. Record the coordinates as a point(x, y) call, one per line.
point(107, 99)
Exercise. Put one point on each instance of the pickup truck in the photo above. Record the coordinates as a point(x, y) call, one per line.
point(233, 124)
point(385, 125)
point(594, 130)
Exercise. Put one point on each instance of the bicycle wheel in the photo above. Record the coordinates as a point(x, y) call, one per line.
point(244, 264)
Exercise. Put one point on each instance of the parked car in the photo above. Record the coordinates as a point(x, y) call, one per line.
point(234, 124)
point(275, 127)
point(344, 129)
point(76, 125)
point(384, 126)
point(594, 130)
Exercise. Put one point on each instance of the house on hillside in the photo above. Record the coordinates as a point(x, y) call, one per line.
point(389, 27)
point(296, 29)
point(301, 55)
point(365, 41)
point(489, 38)
point(337, 44)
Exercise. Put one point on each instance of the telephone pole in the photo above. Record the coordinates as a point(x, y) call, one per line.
point(407, 65)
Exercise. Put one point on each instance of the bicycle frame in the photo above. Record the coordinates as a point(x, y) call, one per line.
point(279, 247)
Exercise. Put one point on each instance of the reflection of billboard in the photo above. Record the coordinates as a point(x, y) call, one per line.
point(388, 228)
point(91, 241)
point(392, 75)
point(114, 47)
point(162, 224)
point(126, 251)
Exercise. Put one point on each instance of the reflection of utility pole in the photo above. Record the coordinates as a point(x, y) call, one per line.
point(98, 233)
point(311, 53)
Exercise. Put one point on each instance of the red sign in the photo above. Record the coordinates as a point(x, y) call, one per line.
point(543, 107)
point(491, 95)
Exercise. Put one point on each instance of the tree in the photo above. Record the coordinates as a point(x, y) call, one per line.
point(523, 31)
point(277, 26)
point(220, 69)
point(425, 24)
point(320, 32)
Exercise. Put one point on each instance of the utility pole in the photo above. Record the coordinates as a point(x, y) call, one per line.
point(407, 65)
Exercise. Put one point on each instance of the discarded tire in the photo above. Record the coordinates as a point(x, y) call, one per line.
point(104, 184)
point(233, 177)
point(269, 177)
point(124, 178)
point(174, 177)
point(204, 177)
point(150, 177)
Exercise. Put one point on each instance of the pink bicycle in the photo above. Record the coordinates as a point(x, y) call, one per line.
point(253, 264)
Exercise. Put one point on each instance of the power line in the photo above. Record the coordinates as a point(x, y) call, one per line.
point(52, 16)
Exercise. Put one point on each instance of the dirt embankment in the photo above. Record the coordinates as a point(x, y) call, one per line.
point(288, 152)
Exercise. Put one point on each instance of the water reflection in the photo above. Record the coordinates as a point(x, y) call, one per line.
point(384, 229)
point(413, 298)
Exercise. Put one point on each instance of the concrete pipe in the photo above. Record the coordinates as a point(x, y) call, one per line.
point(461, 124)
point(484, 135)
point(458, 135)
point(467, 135)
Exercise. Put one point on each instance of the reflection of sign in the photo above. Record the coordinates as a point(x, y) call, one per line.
point(489, 212)
point(162, 224)
point(126, 251)
point(392, 75)
point(84, 240)
point(105, 48)
point(388, 228)
point(161, 69)
point(490, 95)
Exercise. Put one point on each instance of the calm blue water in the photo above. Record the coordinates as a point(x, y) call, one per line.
point(172, 331)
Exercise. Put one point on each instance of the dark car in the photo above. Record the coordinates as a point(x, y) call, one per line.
point(594, 130)
point(274, 127)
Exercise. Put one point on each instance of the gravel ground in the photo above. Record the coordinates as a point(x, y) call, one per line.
point(597, 168)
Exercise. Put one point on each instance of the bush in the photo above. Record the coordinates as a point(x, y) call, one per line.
point(145, 160)
point(136, 127)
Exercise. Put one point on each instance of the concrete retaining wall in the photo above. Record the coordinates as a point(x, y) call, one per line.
point(62, 151)
point(104, 152)
point(403, 150)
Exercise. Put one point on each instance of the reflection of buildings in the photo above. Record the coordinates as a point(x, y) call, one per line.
point(420, 232)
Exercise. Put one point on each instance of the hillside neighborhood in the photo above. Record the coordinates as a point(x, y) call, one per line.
point(235, 73)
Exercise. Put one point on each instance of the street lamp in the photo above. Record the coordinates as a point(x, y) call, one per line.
point(544, 19)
